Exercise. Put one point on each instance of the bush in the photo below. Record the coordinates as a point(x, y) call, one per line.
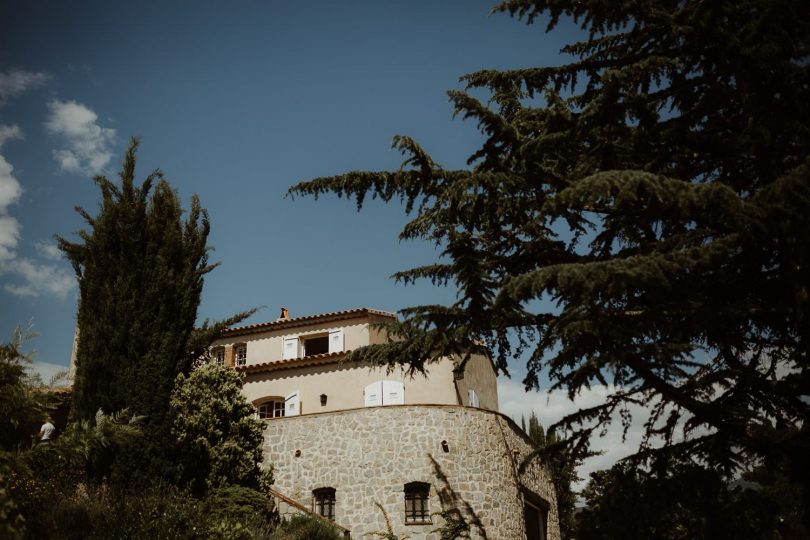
point(160, 513)
point(237, 512)
point(96, 514)
point(306, 528)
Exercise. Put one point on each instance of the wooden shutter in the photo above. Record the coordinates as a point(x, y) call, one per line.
point(336, 341)
point(290, 348)
point(292, 404)
point(393, 393)
point(472, 398)
point(373, 394)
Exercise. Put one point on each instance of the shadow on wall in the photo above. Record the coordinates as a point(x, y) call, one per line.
point(457, 513)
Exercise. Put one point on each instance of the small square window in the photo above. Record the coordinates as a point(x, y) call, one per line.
point(271, 409)
point(316, 345)
point(323, 502)
point(417, 510)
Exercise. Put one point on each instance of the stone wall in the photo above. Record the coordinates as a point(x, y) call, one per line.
point(369, 454)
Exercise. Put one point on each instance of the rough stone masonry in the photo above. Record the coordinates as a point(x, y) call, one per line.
point(368, 455)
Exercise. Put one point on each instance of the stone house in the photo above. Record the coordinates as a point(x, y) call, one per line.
point(346, 437)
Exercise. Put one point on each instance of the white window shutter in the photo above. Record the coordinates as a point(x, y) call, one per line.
point(393, 393)
point(336, 341)
point(373, 394)
point(292, 404)
point(472, 398)
point(290, 348)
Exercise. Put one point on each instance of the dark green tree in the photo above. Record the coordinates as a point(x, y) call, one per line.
point(656, 189)
point(687, 502)
point(140, 266)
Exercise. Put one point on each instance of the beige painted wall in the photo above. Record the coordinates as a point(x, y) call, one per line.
point(479, 375)
point(266, 346)
point(344, 385)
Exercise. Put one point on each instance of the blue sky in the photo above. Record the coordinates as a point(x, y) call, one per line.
point(236, 102)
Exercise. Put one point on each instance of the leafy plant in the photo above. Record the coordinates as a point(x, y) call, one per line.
point(218, 440)
point(250, 508)
point(454, 526)
point(23, 403)
point(388, 533)
point(305, 527)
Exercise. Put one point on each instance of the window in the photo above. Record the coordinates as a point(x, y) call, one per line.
point(219, 356)
point(241, 355)
point(271, 409)
point(311, 345)
point(323, 502)
point(535, 522)
point(535, 515)
point(472, 398)
point(416, 503)
point(316, 345)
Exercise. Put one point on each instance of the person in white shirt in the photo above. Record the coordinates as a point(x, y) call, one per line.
point(46, 431)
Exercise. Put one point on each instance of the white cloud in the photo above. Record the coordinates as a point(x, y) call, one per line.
point(87, 145)
point(10, 189)
point(49, 251)
point(17, 81)
point(10, 193)
point(8, 133)
point(550, 407)
point(31, 278)
point(37, 279)
point(9, 237)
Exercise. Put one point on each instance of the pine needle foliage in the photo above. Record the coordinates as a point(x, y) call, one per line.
point(655, 189)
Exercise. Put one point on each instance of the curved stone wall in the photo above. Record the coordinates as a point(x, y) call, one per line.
point(369, 454)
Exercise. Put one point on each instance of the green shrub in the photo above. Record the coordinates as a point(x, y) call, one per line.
point(306, 528)
point(237, 512)
point(71, 519)
point(96, 514)
point(160, 513)
point(12, 523)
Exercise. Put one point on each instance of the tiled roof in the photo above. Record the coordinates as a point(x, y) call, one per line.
point(305, 320)
point(274, 365)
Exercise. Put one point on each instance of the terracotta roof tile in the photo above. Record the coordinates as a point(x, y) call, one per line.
point(274, 365)
point(305, 320)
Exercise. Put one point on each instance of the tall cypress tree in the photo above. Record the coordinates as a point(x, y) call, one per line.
point(140, 266)
point(656, 188)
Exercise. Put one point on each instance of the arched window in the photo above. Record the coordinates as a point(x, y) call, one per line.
point(323, 502)
point(272, 408)
point(417, 510)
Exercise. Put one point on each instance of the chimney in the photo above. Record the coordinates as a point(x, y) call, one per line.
point(285, 314)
